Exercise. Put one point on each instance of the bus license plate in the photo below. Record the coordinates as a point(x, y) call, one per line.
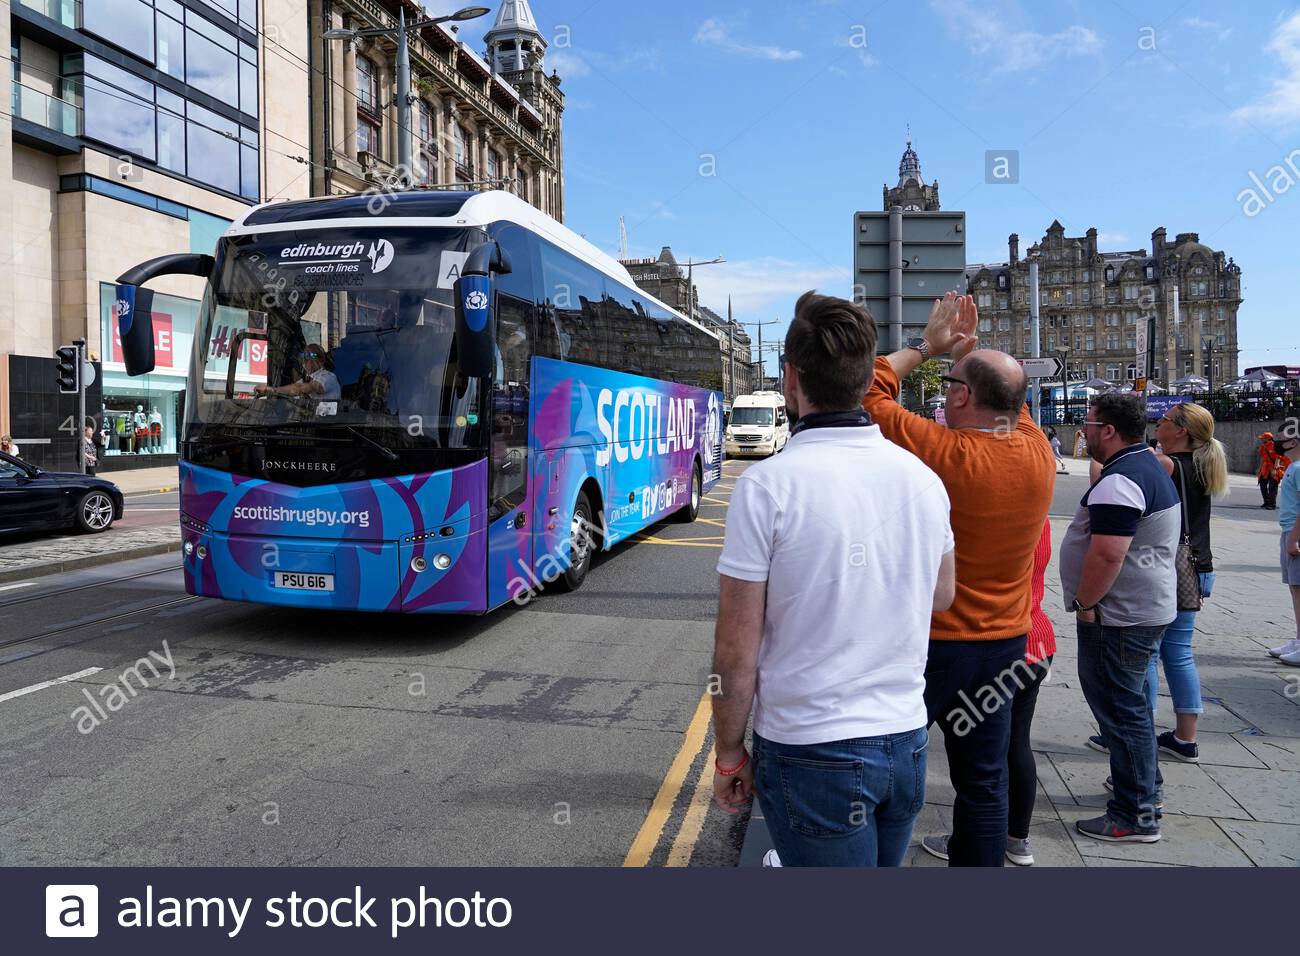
point(298, 581)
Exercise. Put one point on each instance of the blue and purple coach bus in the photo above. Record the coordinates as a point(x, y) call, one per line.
point(426, 401)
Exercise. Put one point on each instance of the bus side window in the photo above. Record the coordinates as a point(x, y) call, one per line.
point(509, 484)
point(574, 293)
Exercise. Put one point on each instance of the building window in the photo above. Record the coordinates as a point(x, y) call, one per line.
point(1112, 373)
point(1110, 273)
point(1069, 297)
point(427, 153)
point(1004, 325)
point(1151, 272)
point(367, 85)
point(1130, 293)
point(1051, 342)
point(367, 136)
point(460, 152)
point(494, 166)
point(984, 300)
point(1112, 342)
point(1090, 342)
point(1002, 281)
point(1131, 341)
point(1087, 296)
point(1132, 371)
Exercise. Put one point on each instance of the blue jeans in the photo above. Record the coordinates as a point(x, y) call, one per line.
point(1180, 666)
point(968, 690)
point(1113, 664)
point(843, 803)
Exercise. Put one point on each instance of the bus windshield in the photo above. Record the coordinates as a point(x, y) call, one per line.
point(751, 416)
point(343, 331)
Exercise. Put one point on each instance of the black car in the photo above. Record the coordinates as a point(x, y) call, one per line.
point(33, 500)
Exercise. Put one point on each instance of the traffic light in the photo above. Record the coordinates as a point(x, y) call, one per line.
point(68, 370)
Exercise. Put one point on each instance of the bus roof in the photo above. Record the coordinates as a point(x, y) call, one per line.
point(435, 208)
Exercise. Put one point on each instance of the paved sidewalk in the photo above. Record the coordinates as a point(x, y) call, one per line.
point(143, 480)
point(31, 557)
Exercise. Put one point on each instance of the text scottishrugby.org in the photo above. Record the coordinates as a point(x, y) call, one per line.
point(307, 516)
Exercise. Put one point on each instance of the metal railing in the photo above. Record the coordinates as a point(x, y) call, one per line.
point(46, 110)
point(66, 12)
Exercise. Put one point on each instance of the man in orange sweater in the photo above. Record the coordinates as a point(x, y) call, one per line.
point(999, 471)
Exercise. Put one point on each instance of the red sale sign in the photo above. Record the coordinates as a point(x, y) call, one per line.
point(162, 340)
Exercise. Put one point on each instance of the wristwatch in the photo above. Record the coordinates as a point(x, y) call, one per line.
point(1076, 607)
point(921, 345)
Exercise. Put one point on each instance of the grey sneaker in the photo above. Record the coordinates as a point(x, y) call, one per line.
point(1018, 852)
point(937, 845)
point(1104, 828)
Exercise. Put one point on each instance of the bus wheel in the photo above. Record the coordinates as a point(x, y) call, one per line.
point(691, 510)
point(582, 544)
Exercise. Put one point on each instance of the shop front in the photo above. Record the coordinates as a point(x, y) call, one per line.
point(140, 418)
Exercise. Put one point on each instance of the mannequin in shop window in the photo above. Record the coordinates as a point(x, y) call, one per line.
point(155, 429)
point(140, 426)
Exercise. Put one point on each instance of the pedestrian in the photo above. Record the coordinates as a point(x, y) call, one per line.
point(836, 553)
point(1118, 578)
point(998, 469)
point(1080, 444)
point(1196, 461)
point(1268, 479)
point(1022, 769)
point(1055, 442)
point(90, 451)
point(8, 446)
point(1289, 518)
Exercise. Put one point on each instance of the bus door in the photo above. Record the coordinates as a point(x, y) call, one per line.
point(510, 553)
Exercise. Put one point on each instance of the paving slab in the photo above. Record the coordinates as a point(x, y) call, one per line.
point(1272, 796)
point(1278, 753)
point(1185, 841)
point(1267, 844)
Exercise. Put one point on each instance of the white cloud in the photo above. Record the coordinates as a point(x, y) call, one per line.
point(1281, 105)
point(713, 32)
point(1208, 26)
point(759, 286)
point(568, 65)
point(987, 33)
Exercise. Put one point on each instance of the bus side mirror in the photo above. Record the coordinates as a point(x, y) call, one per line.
point(133, 318)
point(133, 305)
point(475, 323)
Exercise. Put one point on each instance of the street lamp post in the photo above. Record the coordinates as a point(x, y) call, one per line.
point(1209, 344)
point(405, 98)
point(759, 352)
point(1064, 353)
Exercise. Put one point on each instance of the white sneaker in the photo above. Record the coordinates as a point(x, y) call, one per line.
point(1290, 647)
point(771, 858)
point(1293, 658)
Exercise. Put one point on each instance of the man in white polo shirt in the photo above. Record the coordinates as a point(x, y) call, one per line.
point(837, 551)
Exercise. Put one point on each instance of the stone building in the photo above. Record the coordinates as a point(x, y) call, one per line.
point(135, 128)
point(911, 193)
point(668, 282)
point(1091, 302)
point(487, 122)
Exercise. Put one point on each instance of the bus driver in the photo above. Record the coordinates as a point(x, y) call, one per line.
point(320, 382)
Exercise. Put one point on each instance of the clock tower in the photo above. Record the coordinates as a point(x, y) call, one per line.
point(912, 193)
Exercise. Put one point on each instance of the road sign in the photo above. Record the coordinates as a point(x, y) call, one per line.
point(911, 264)
point(1042, 367)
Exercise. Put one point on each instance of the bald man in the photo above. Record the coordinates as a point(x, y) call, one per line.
point(998, 469)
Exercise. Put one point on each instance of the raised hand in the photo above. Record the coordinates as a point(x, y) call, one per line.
point(965, 328)
point(942, 331)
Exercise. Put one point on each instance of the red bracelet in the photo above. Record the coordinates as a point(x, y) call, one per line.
point(730, 771)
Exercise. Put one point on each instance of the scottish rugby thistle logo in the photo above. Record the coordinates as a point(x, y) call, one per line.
point(476, 300)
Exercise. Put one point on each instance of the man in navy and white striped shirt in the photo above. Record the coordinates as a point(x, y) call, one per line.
point(1117, 575)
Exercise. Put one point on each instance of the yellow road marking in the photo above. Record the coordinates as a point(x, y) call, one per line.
point(652, 827)
point(693, 823)
point(682, 542)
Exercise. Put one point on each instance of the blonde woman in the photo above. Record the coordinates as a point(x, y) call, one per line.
point(1196, 462)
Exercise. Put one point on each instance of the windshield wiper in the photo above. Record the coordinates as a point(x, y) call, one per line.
point(383, 449)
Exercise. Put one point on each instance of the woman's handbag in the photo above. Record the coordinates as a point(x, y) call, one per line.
point(1189, 580)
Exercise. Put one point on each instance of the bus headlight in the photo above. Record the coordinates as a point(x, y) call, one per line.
point(189, 548)
point(442, 561)
point(418, 564)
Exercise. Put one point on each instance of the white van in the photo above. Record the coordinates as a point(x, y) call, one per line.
point(758, 425)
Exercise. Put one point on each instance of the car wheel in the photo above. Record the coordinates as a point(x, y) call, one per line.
point(95, 512)
point(691, 510)
point(582, 544)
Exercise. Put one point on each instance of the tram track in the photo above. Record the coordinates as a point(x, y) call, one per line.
point(80, 625)
point(29, 598)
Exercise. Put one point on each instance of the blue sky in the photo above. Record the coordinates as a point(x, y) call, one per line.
point(1126, 115)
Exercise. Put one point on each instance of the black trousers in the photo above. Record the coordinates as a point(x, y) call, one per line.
point(1022, 784)
point(1268, 488)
